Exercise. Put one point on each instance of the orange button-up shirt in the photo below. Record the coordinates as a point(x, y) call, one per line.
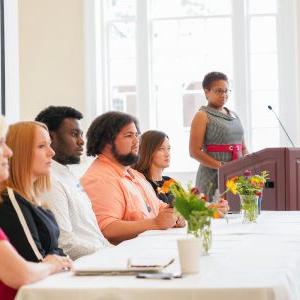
point(117, 194)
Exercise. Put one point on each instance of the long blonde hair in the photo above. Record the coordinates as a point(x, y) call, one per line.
point(20, 138)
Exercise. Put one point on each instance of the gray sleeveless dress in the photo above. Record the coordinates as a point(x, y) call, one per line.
point(221, 129)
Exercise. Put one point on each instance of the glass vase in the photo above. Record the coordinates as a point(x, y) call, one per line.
point(249, 208)
point(201, 228)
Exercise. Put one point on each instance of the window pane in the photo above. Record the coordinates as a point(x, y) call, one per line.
point(264, 72)
point(123, 85)
point(179, 54)
point(121, 8)
point(180, 157)
point(264, 137)
point(264, 75)
point(122, 40)
point(261, 116)
point(194, 85)
point(183, 52)
point(176, 8)
point(262, 6)
point(122, 101)
point(122, 66)
point(263, 34)
point(191, 104)
point(218, 40)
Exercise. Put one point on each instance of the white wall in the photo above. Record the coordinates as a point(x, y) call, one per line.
point(12, 87)
point(51, 55)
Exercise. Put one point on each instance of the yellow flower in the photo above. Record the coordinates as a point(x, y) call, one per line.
point(231, 185)
point(255, 180)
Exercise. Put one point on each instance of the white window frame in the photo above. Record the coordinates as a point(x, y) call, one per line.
point(288, 65)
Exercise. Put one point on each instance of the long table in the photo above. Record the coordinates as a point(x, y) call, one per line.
point(258, 261)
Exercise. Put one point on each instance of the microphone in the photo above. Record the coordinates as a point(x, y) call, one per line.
point(271, 109)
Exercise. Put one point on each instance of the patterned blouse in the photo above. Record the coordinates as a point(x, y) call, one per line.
point(221, 129)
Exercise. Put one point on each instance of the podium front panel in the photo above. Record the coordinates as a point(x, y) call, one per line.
point(272, 160)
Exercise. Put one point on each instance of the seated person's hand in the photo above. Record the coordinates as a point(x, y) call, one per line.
point(58, 263)
point(221, 207)
point(180, 222)
point(166, 218)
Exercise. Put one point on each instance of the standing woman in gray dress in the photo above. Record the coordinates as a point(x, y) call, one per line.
point(216, 135)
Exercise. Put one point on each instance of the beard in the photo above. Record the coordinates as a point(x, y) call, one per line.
point(124, 159)
point(64, 153)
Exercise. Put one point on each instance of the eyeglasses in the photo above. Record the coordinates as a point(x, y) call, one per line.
point(220, 92)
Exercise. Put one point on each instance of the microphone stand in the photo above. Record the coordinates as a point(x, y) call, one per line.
point(271, 109)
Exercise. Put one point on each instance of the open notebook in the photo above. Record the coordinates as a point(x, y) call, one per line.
point(133, 266)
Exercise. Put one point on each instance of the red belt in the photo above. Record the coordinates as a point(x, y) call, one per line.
point(234, 149)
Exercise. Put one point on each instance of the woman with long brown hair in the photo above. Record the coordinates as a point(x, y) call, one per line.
point(29, 176)
point(154, 157)
point(11, 263)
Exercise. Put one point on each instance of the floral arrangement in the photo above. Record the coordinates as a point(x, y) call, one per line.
point(195, 209)
point(249, 188)
point(247, 184)
point(171, 186)
point(192, 205)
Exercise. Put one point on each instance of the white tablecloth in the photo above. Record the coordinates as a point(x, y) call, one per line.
point(247, 261)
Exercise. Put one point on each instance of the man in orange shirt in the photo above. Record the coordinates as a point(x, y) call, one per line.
point(124, 202)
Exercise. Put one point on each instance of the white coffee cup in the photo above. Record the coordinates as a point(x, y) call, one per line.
point(189, 250)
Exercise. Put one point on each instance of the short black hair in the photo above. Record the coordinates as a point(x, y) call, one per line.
point(53, 116)
point(104, 130)
point(211, 77)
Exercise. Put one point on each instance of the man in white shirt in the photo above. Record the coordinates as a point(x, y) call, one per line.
point(79, 231)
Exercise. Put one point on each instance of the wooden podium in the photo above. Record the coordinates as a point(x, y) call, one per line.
point(282, 189)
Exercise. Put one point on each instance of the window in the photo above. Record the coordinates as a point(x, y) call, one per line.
point(185, 46)
point(264, 89)
point(156, 54)
point(121, 55)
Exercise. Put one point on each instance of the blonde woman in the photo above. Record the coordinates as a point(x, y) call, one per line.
point(29, 176)
point(11, 263)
